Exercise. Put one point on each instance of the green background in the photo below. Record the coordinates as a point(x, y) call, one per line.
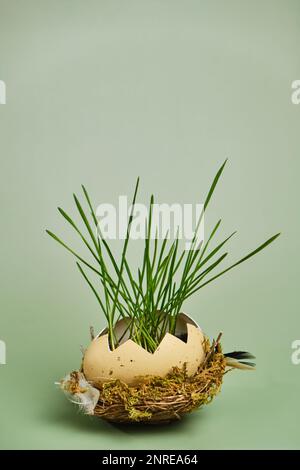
point(99, 92)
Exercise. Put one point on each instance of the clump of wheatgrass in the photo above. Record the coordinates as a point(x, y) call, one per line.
point(150, 300)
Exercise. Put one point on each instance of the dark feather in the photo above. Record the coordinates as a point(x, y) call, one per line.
point(240, 355)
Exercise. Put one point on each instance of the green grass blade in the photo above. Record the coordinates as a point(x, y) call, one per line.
point(55, 237)
point(72, 223)
point(245, 258)
point(93, 289)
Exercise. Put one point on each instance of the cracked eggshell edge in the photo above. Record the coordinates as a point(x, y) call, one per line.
point(130, 363)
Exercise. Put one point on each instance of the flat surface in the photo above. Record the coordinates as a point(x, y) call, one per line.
point(99, 92)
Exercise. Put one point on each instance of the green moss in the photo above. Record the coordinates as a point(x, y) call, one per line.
point(158, 399)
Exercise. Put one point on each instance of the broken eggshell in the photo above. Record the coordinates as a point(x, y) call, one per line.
point(131, 363)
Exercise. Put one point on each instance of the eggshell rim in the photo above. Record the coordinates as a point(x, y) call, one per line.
point(165, 339)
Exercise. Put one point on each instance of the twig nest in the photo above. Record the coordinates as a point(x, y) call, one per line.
point(156, 400)
point(131, 364)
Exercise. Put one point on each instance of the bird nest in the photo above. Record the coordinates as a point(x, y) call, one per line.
point(158, 399)
point(155, 399)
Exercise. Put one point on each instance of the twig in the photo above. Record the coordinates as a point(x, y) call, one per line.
point(92, 333)
point(212, 350)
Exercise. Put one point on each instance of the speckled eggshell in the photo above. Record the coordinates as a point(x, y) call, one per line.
point(130, 363)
